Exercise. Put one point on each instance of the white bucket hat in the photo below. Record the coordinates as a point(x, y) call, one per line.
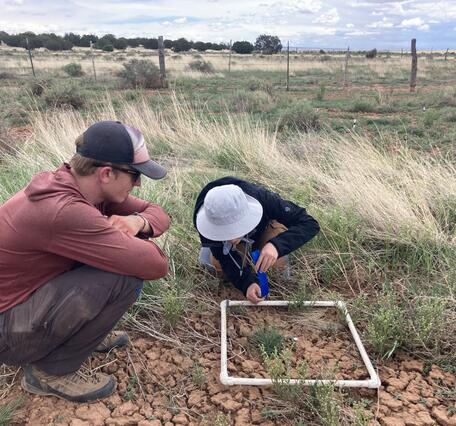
point(228, 213)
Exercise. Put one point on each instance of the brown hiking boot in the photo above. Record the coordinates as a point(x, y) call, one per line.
point(114, 339)
point(77, 386)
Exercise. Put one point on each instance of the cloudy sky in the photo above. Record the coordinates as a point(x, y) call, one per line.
point(360, 24)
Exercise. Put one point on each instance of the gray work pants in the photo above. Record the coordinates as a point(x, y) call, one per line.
point(61, 323)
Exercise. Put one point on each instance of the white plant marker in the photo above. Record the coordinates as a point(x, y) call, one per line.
point(373, 382)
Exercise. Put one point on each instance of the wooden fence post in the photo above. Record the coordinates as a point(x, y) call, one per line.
point(288, 66)
point(30, 56)
point(414, 67)
point(347, 55)
point(229, 59)
point(161, 62)
point(93, 60)
point(446, 54)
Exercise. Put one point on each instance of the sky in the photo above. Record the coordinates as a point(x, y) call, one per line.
point(358, 24)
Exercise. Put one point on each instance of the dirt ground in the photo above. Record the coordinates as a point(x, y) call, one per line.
point(161, 384)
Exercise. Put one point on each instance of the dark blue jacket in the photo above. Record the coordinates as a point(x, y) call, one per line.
point(301, 228)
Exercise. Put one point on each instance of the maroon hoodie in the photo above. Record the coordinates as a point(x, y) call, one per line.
point(49, 226)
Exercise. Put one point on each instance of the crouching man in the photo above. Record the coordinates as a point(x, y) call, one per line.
point(74, 251)
point(233, 216)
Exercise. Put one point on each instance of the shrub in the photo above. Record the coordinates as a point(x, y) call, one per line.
point(430, 116)
point(325, 58)
point(371, 54)
point(65, 95)
point(242, 101)
point(202, 66)
point(108, 48)
point(254, 84)
point(73, 69)
point(37, 87)
point(321, 93)
point(300, 115)
point(6, 75)
point(385, 325)
point(361, 105)
point(140, 73)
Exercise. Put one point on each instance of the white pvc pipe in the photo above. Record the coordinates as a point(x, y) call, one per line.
point(373, 382)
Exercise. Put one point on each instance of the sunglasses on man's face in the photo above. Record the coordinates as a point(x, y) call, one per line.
point(135, 175)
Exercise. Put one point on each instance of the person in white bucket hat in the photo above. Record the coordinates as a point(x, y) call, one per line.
point(233, 217)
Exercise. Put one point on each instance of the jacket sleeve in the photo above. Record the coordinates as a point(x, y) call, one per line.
point(80, 232)
point(301, 226)
point(241, 279)
point(156, 216)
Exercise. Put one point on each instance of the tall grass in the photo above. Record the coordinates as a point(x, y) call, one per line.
point(385, 216)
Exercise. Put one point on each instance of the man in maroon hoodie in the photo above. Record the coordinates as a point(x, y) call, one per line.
point(74, 251)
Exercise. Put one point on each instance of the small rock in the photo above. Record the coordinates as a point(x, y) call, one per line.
point(441, 415)
point(413, 365)
point(150, 423)
point(95, 413)
point(242, 417)
point(425, 418)
point(225, 401)
point(153, 355)
point(244, 330)
point(180, 419)
point(391, 421)
point(195, 398)
point(390, 402)
point(248, 365)
point(77, 422)
point(436, 374)
point(397, 384)
point(414, 398)
point(126, 409)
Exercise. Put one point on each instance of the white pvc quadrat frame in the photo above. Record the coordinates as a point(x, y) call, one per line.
point(373, 382)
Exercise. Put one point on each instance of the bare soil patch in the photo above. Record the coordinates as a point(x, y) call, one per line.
point(161, 384)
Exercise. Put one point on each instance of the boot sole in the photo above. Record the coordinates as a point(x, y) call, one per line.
point(93, 396)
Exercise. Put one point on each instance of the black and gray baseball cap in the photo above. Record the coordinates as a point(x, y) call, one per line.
point(115, 142)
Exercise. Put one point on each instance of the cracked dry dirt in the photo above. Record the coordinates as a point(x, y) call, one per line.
point(178, 386)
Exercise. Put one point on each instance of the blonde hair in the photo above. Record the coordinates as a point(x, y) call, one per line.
point(84, 166)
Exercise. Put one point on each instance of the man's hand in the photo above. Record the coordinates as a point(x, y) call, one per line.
point(129, 225)
point(254, 293)
point(268, 257)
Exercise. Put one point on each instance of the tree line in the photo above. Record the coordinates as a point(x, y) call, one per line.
point(264, 43)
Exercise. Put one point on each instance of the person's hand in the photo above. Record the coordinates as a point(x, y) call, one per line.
point(267, 258)
point(129, 225)
point(254, 293)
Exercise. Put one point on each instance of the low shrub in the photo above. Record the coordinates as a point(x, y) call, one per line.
point(202, 66)
point(64, 95)
point(140, 73)
point(37, 87)
point(361, 105)
point(73, 69)
point(254, 84)
point(6, 75)
point(300, 115)
point(243, 101)
point(385, 328)
point(108, 48)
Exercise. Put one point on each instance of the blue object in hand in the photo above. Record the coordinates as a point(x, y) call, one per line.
point(262, 277)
